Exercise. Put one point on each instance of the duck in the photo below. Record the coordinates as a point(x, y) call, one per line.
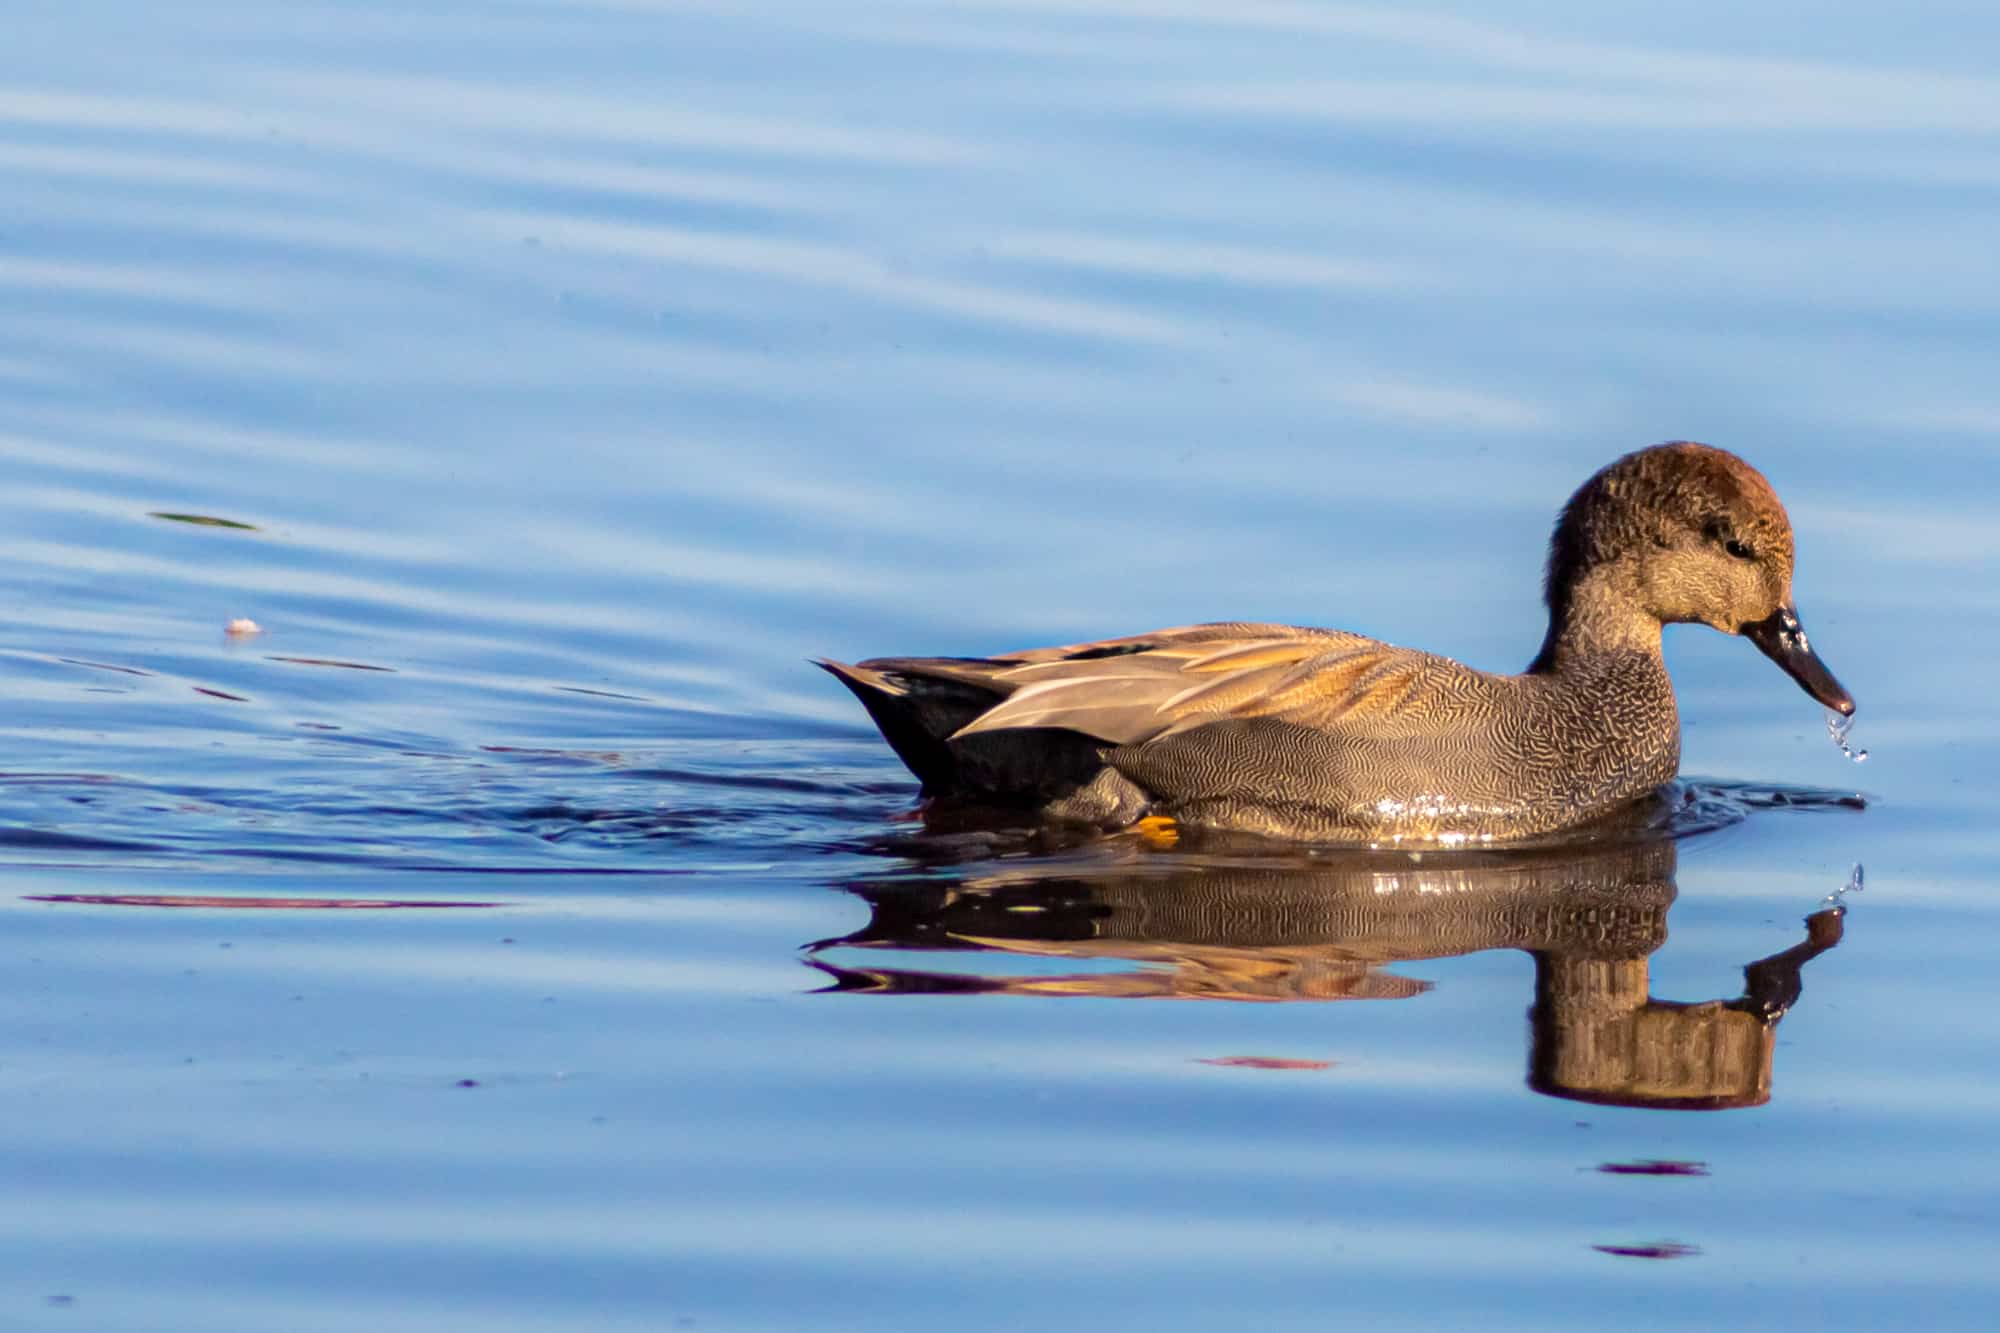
point(1330, 736)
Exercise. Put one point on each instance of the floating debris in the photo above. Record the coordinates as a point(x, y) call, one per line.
point(1664, 1249)
point(1837, 727)
point(203, 521)
point(242, 628)
point(1654, 1167)
point(1264, 1062)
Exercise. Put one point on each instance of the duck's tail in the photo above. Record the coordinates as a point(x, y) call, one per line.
point(915, 714)
point(921, 703)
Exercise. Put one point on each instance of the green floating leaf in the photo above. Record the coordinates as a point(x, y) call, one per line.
point(204, 520)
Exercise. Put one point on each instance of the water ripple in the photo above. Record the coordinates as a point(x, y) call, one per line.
point(587, 366)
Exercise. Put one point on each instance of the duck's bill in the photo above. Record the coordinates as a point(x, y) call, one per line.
point(1780, 638)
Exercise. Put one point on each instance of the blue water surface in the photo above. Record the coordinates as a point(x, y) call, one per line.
point(517, 933)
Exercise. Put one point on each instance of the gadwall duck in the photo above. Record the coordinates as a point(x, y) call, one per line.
point(1323, 734)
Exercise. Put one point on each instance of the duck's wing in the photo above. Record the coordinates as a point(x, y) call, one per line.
point(1126, 691)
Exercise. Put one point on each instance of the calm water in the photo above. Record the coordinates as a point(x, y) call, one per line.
point(519, 934)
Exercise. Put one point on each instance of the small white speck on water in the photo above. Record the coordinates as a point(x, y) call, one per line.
point(1837, 727)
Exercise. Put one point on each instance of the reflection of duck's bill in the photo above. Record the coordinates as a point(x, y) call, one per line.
point(1780, 637)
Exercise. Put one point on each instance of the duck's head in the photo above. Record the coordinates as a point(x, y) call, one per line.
point(1686, 533)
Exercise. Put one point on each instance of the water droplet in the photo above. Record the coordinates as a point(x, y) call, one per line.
point(1854, 885)
point(1837, 727)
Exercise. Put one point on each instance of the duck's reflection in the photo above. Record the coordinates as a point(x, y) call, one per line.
point(1325, 930)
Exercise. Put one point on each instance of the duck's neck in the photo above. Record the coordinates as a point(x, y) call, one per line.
point(1594, 615)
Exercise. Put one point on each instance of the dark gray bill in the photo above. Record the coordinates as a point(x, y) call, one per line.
point(1781, 639)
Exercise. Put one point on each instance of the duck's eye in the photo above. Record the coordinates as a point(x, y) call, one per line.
point(1718, 532)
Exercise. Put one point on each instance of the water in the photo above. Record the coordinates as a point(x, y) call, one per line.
point(519, 932)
